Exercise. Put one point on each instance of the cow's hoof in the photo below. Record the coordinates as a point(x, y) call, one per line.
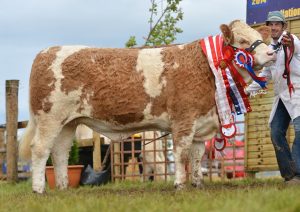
point(198, 185)
point(64, 187)
point(38, 190)
point(39, 193)
point(179, 186)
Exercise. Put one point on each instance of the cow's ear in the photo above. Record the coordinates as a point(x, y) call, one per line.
point(227, 34)
point(265, 32)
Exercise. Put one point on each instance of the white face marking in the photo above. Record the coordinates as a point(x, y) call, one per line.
point(242, 30)
point(150, 63)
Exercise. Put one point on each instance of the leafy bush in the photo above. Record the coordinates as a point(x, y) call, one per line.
point(73, 155)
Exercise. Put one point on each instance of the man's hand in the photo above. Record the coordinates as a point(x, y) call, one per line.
point(286, 40)
point(246, 92)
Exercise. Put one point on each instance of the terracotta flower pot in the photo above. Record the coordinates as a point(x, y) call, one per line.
point(74, 173)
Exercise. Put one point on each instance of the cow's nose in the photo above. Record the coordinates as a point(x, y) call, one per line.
point(270, 53)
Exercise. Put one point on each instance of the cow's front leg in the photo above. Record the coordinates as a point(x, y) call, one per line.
point(38, 171)
point(181, 152)
point(180, 175)
point(197, 151)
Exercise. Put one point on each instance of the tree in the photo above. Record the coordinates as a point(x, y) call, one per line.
point(162, 25)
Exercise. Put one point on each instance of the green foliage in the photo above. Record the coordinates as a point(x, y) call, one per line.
point(163, 29)
point(131, 42)
point(73, 155)
point(49, 161)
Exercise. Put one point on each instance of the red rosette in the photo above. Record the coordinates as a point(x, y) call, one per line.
point(228, 130)
point(242, 57)
point(228, 53)
point(219, 144)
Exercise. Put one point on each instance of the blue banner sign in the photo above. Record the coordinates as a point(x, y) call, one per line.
point(257, 10)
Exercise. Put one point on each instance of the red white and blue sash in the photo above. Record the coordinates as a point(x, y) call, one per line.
point(230, 95)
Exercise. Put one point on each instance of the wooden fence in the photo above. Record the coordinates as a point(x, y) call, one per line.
point(259, 151)
point(231, 165)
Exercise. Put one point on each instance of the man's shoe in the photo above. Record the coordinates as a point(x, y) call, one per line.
point(293, 181)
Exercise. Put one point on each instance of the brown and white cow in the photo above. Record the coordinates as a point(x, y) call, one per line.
point(118, 92)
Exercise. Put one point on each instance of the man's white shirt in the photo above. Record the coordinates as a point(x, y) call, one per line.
point(281, 91)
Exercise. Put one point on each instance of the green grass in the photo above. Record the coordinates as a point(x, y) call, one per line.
point(241, 195)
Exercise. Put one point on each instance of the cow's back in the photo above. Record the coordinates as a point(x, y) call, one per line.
point(122, 86)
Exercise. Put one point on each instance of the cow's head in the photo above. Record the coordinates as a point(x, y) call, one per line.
point(238, 34)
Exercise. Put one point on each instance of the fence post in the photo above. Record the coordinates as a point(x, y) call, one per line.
point(12, 87)
point(96, 151)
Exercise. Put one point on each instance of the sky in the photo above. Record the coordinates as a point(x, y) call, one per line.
point(27, 27)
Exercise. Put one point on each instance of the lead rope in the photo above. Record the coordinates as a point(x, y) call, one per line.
point(288, 55)
point(157, 139)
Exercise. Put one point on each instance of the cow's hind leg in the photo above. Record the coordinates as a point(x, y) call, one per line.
point(60, 155)
point(41, 146)
point(196, 153)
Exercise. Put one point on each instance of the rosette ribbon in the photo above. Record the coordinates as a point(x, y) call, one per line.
point(245, 60)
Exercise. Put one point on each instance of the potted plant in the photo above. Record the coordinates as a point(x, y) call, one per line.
point(74, 170)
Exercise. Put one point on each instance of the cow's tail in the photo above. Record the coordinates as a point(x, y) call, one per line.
point(25, 142)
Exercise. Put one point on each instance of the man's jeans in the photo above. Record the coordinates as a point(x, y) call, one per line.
point(288, 161)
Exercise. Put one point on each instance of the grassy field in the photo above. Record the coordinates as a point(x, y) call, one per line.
point(242, 195)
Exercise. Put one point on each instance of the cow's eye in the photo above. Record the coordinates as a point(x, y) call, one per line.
point(244, 42)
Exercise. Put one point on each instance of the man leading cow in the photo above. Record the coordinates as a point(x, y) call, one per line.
point(285, 74)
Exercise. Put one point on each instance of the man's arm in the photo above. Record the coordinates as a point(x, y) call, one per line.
point(254, 86)
point(286, 40)
point(297, 45)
